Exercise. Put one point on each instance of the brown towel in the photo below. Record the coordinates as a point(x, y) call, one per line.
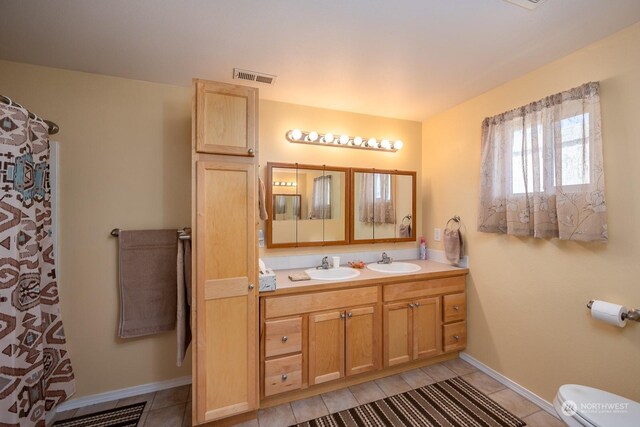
point(183, 321)
point(299, 277)
point(453, 245)
point(147, 282)
point(261, 202)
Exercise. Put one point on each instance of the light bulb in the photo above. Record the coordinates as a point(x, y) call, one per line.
point(357, 141)
point(328, 138)
point(372, 143)
point(385, 144)
point(313, 136)
point(344, 139)
point(398, 145)
point(296, 134)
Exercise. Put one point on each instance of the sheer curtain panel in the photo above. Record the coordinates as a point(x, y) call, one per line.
point(541, 171)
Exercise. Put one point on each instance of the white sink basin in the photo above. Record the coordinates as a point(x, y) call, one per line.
point(394, 267)
point(340, 273)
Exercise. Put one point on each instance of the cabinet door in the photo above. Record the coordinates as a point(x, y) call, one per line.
point(397, 333)
point(326, 346)
point(225, 377)
point(362, 340)
point(427, 328)
point(226, 118)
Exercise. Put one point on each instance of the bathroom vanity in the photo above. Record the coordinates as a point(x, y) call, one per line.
point(317, 336)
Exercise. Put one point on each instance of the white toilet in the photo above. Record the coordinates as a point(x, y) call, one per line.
point(580, 406)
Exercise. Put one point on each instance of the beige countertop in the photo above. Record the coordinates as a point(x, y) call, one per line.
point(430, 270)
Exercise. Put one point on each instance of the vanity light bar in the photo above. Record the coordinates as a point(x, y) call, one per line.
point(315, 138)
point(284, 184)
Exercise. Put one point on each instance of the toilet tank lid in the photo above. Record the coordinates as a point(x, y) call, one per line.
point(601, 408)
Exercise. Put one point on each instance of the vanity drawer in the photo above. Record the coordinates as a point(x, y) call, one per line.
point(319, 301)
point(454, 336)
point(282, 374)
point(283, 337)
point(423, 288)
point(455, 307)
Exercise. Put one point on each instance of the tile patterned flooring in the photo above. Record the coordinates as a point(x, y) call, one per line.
point(172, 407)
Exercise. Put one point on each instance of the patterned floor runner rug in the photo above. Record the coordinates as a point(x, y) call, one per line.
point(126, 416)
point(450, 403)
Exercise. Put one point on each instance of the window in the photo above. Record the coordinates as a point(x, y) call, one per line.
point(541, 171)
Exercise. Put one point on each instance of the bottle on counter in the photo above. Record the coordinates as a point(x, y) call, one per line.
point(423, 248)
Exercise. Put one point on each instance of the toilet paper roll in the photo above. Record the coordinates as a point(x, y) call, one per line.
point(609, 313)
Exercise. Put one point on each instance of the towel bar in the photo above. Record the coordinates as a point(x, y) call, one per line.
point(184, 234)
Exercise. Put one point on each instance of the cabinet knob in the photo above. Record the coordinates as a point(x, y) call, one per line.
point(411, 305)
point(456, 337)
point(417, 304)
point(285, 338)
point(251, 286)
point(456, 308)
point(284, 377)
point(350, 314)
point(342, 315)
point(251, 152)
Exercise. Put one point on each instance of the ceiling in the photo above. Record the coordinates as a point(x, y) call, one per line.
point(403, 58)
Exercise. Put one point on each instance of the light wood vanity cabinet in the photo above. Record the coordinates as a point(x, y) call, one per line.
point(224, 241)
point(313, 338)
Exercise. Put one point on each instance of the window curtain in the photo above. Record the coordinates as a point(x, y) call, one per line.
point(35, 370)
point(542, 169)
point(321, 198)
point(377, 199)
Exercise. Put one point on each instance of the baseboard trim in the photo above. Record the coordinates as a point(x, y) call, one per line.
point(548, 407)
point(122, 393)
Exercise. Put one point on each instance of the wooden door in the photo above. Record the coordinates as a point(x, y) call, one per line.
point(326, 346)
point(362, 340)
point(225, 347)
point(397, 326)
point(427, 328)
point(226, 118)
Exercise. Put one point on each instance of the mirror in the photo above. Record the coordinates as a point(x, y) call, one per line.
point(307, 205)
point(384, 206)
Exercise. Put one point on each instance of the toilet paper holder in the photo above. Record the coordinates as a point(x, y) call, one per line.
point(631, 314)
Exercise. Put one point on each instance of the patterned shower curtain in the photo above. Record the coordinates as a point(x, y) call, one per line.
point(35, 370)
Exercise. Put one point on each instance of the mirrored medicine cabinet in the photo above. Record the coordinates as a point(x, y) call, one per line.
point(325, 205)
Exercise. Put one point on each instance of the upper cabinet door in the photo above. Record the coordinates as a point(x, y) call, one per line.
point(226, 119)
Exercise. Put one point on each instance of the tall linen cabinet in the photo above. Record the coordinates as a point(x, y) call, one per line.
point(224, 265)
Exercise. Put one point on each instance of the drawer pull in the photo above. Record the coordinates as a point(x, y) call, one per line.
point(456, 337)
point(285, 338)
point(284, 377)
point(456, 307)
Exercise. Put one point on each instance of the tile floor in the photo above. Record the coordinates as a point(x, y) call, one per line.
point(172, 407)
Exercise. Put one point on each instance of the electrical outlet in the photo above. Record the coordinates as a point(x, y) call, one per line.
point(437, 234)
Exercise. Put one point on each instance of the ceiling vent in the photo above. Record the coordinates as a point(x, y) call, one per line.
point(253, 76)
point(528, 4)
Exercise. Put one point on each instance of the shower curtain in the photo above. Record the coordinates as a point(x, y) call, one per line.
point(35, 369)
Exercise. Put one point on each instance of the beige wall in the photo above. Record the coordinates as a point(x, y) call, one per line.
point(125, 162)
point(527, 314)
point(276, 118)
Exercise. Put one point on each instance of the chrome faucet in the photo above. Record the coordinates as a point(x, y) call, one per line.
point(385, 259)
point(324, 265)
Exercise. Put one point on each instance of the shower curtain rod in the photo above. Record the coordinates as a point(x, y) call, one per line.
point(53, 128)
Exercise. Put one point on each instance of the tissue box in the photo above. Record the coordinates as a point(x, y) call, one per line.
point(267, 280)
